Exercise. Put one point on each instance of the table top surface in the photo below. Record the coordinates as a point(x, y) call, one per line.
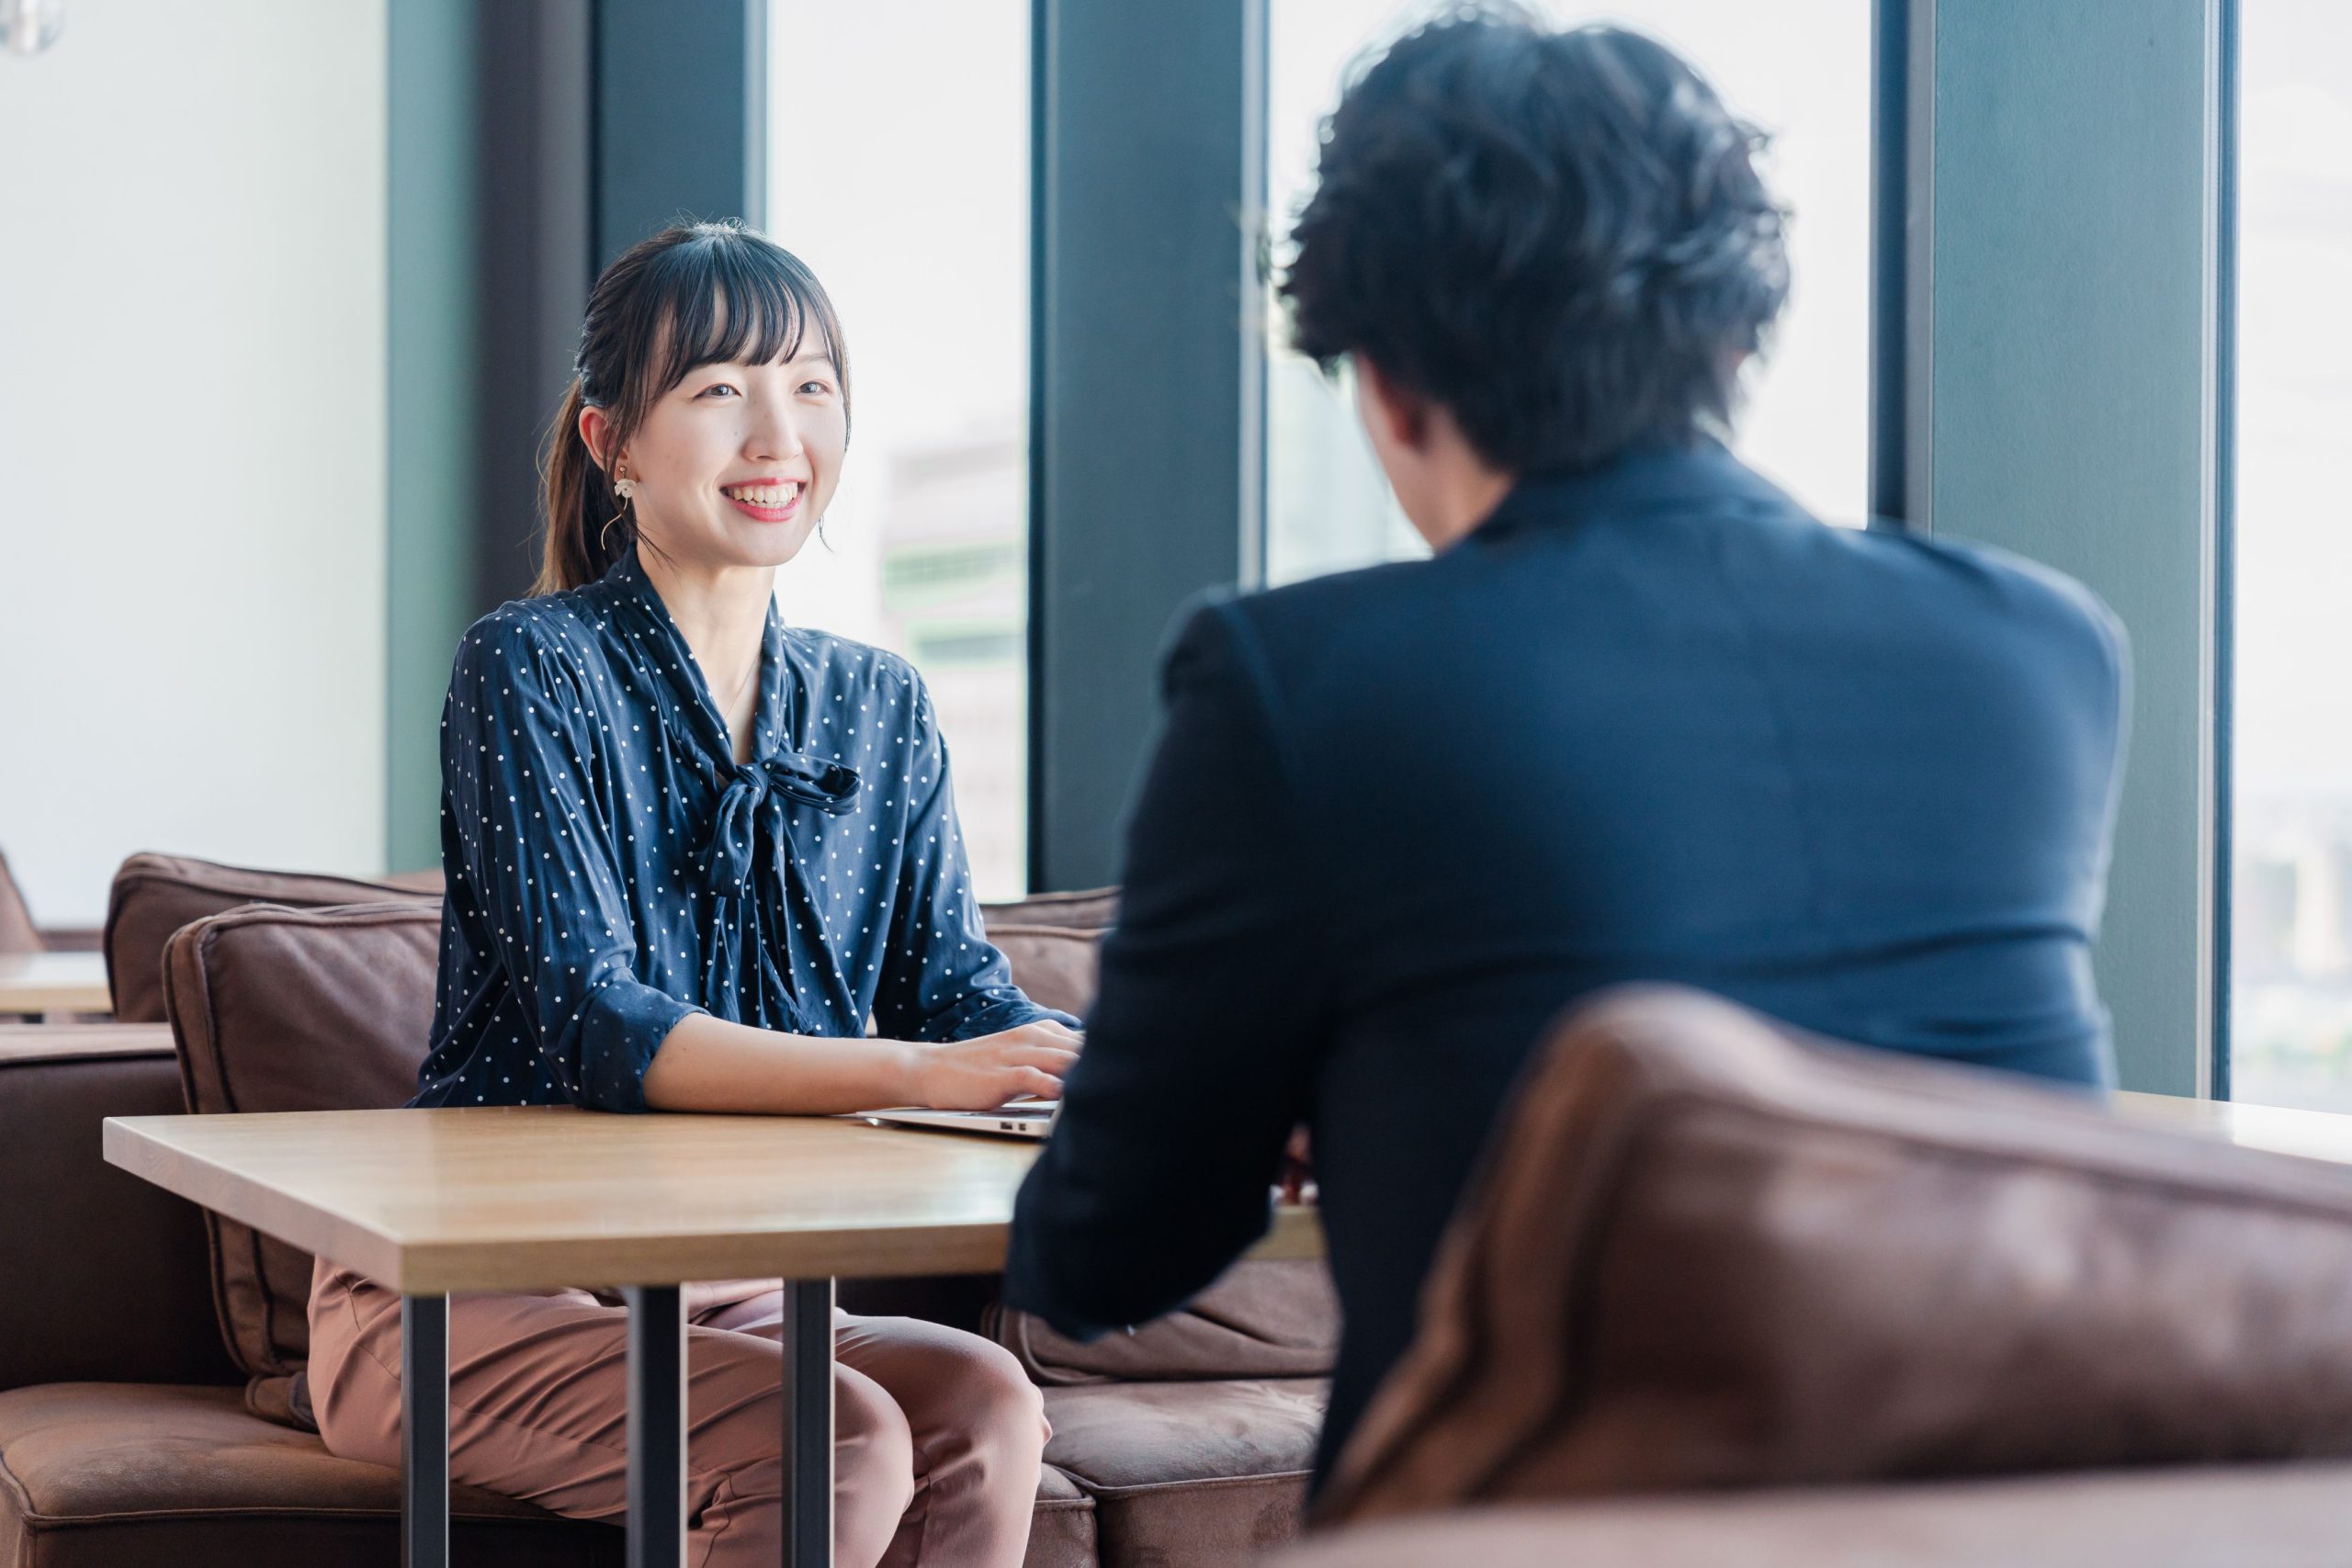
point(72, 1041)
point(54, 981)
point(487, 1198)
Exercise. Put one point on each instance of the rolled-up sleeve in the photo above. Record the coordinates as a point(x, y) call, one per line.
point(947, 981)
point(538, 854)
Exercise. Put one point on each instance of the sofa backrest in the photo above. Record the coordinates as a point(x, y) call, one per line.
point(276, 1009)
point(1704, 1253)
point(1091, 909)
point(1054, 965)
point(154, 895)
point(104, 1273)
point(1050, 939)
point(1263, 1319)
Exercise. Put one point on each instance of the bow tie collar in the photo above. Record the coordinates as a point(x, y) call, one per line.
point(755, 798)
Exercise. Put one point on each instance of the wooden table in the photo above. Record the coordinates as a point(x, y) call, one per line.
point(44, 983)
point(59, 1041)
point(430, 1202)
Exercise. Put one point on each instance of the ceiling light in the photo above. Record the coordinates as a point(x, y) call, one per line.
point(28, 26)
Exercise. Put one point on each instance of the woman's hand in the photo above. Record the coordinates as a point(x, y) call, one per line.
point(982, 1074)
point(1296, 1184)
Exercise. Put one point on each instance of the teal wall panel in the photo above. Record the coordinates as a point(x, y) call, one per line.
point(2069, 397)
point(432, 193)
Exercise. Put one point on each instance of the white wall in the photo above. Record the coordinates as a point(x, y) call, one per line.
point(192, 442)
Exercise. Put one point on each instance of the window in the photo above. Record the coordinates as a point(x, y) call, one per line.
point(922, 240)
point(1799, 70)
point(2291, 996)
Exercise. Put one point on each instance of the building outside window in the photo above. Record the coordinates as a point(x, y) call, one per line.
point(2290, 998)
point(922, 240)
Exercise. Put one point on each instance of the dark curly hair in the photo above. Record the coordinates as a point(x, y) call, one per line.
point(1560, 236)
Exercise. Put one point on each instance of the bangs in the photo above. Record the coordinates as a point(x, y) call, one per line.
point(730, 297)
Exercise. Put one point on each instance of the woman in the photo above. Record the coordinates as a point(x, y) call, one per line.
point(690, 852)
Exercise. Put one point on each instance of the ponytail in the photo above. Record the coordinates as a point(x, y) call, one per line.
point(588, 528)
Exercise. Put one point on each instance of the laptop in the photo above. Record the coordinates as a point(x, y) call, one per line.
point(1021, 1118)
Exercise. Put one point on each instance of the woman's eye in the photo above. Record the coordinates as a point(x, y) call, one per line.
point(715, 389)
point(820, 387)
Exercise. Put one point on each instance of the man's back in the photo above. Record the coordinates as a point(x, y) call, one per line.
point(1649, 724)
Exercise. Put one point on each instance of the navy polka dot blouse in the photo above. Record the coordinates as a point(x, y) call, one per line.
point(611, 868)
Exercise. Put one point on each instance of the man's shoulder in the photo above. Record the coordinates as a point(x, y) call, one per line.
point(1988, 587)
point(1319, 616)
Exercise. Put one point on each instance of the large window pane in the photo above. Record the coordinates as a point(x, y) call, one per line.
point(899, 169)
point(2291, 1024)
point(1798, 68)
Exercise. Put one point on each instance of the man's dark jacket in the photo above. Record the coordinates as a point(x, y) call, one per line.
point(1647, 722)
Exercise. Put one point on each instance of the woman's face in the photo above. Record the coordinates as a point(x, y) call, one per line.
point(735, 464)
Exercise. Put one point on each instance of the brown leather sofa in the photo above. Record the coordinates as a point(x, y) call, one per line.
point(1726, 1296)
point(150, 1403)
point(153, 896)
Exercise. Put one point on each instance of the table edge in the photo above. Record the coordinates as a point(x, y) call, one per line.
point(448, 1267)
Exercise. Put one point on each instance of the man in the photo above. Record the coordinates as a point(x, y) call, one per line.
point(1638, 718)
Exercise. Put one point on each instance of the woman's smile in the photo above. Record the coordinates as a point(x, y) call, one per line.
point(766, 501)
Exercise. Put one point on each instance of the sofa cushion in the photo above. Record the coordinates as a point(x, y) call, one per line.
point(1094, 909)
point(106, 1273)
point(1061, 1531)
point(1703, 1254)
point(127, 1475)
point(294, 1009)
point(154, 895)
point(113, 1475)
point(2247, 1516)
point(1275, 1319)
point(1186, 1473)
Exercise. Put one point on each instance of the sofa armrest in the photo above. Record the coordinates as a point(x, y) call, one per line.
point(107, 1279)
point(2165, 1517)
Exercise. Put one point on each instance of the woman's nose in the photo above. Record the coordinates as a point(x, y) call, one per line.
point(773, 435)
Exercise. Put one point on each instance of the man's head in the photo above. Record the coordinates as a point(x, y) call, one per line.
point(1540, 249)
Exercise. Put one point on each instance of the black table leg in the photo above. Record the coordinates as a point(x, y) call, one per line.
point(425, 1431)
point(657, 1425)
point(809, 1423)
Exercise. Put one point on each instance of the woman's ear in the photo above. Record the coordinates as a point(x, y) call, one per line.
point(596, 430)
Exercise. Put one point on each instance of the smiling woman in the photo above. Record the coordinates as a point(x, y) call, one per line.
point(691, 850)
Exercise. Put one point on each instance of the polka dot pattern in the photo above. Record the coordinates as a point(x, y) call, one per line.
point(611, 869)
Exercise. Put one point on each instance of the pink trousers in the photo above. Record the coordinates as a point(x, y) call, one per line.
point(939, 1435)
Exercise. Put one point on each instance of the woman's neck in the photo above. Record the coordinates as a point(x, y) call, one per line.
point(723, 615)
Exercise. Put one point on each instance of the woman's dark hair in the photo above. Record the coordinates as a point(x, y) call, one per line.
point(1559, 236)
point(694, 294)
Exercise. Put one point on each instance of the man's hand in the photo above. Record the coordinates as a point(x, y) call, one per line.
point(982, 1074)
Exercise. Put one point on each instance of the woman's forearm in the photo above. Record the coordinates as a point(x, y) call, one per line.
point(709, 1064)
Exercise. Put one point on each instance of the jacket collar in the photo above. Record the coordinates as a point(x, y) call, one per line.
point(1645, 479)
